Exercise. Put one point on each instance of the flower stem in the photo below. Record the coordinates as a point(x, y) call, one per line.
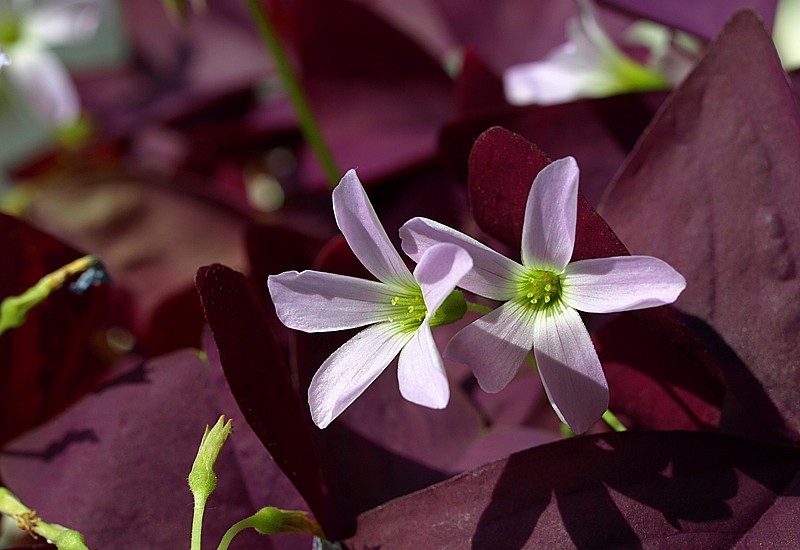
point(613, 422)
point(197, 524)
point(308, 124)
point(235, 529)
point(471, 306)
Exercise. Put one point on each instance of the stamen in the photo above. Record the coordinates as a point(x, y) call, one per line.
point(541, 288)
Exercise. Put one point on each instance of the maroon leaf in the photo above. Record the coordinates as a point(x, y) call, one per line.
point(49, 361)
point(669, 490)
point(378, 97)
point(263, 385)
point(599, 133)
point(506, 32)
point(711, 189)
point(114, 465)
point(705, 19)
point(502, 168)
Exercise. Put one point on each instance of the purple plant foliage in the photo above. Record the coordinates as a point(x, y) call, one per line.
point(502, 167)
point(599, 133)
point(378, 97)
point(669, 490)
point(48, 362)
point(711, 188)
point(114, 465)
point(704, 19)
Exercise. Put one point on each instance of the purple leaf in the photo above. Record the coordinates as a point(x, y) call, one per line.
point(378, 97)
point(670, 490)
point(48, 362)
point(704, 19)
point(711, 189)
point(599, 133)
point(506, 32)
point(114, 465)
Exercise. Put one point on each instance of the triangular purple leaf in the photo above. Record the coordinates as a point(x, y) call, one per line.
point(712, 189)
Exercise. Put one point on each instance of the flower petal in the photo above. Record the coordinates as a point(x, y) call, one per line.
point(46, 84)
point(548, 232)
point(492, 275)
point(65, 22)
point(569, 367)
point(420, 371)
point(495, 345)
point(439, 270)
point(606, 285)
point(351, 369)
point(313, 301)
point(364, 233)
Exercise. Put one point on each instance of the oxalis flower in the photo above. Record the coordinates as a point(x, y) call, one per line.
point(400, 309)
point(543, 296)
point(590, 64)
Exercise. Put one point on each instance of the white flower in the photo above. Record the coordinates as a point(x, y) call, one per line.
point(543, 296)
point(27, 33)
point(589, 64)
point(400, 311)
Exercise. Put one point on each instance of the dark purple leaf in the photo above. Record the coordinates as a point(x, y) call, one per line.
point(114, 465)
point(266, 391)
point(49, 361)
point(378, 97)
point(668, 490)
point(712, 189)
point(704, 19)
point(502, 168)
point(662, 396)
point(599, 133)
point(507, 32)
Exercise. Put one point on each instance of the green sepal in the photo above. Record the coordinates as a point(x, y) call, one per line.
point(452, 309)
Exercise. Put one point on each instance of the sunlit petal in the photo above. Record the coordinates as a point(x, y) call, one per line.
point(495, 345)
point(312, 301)
point(420, 371)
point(351, 369)
point(492, 275)
point(365, 234)
point(548, 232)
point(606, 285)
point(569, 367)
point(439, 270)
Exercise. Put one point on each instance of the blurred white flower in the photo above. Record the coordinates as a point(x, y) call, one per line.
point(590, 64)
point(28, 31)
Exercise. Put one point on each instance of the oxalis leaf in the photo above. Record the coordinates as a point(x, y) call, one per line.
point(712, 189)
point(666, 490)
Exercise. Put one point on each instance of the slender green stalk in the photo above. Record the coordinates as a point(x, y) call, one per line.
point(197, 524)
point(532, 362)
point(478, 308)
point(235, 530)
point(308, 124)
point(613, 422)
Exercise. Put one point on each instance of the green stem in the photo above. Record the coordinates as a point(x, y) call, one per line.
point(308, 124)
point(532, 362)
point(235, 530)
point(197, 524)
point(471, 306)
point(613, 422)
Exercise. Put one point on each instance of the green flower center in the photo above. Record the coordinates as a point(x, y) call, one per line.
point(540, 288)
point(408, 310)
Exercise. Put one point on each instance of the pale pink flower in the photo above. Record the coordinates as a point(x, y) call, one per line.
point(542, 298)
point(400, 309)
point(35, 28)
